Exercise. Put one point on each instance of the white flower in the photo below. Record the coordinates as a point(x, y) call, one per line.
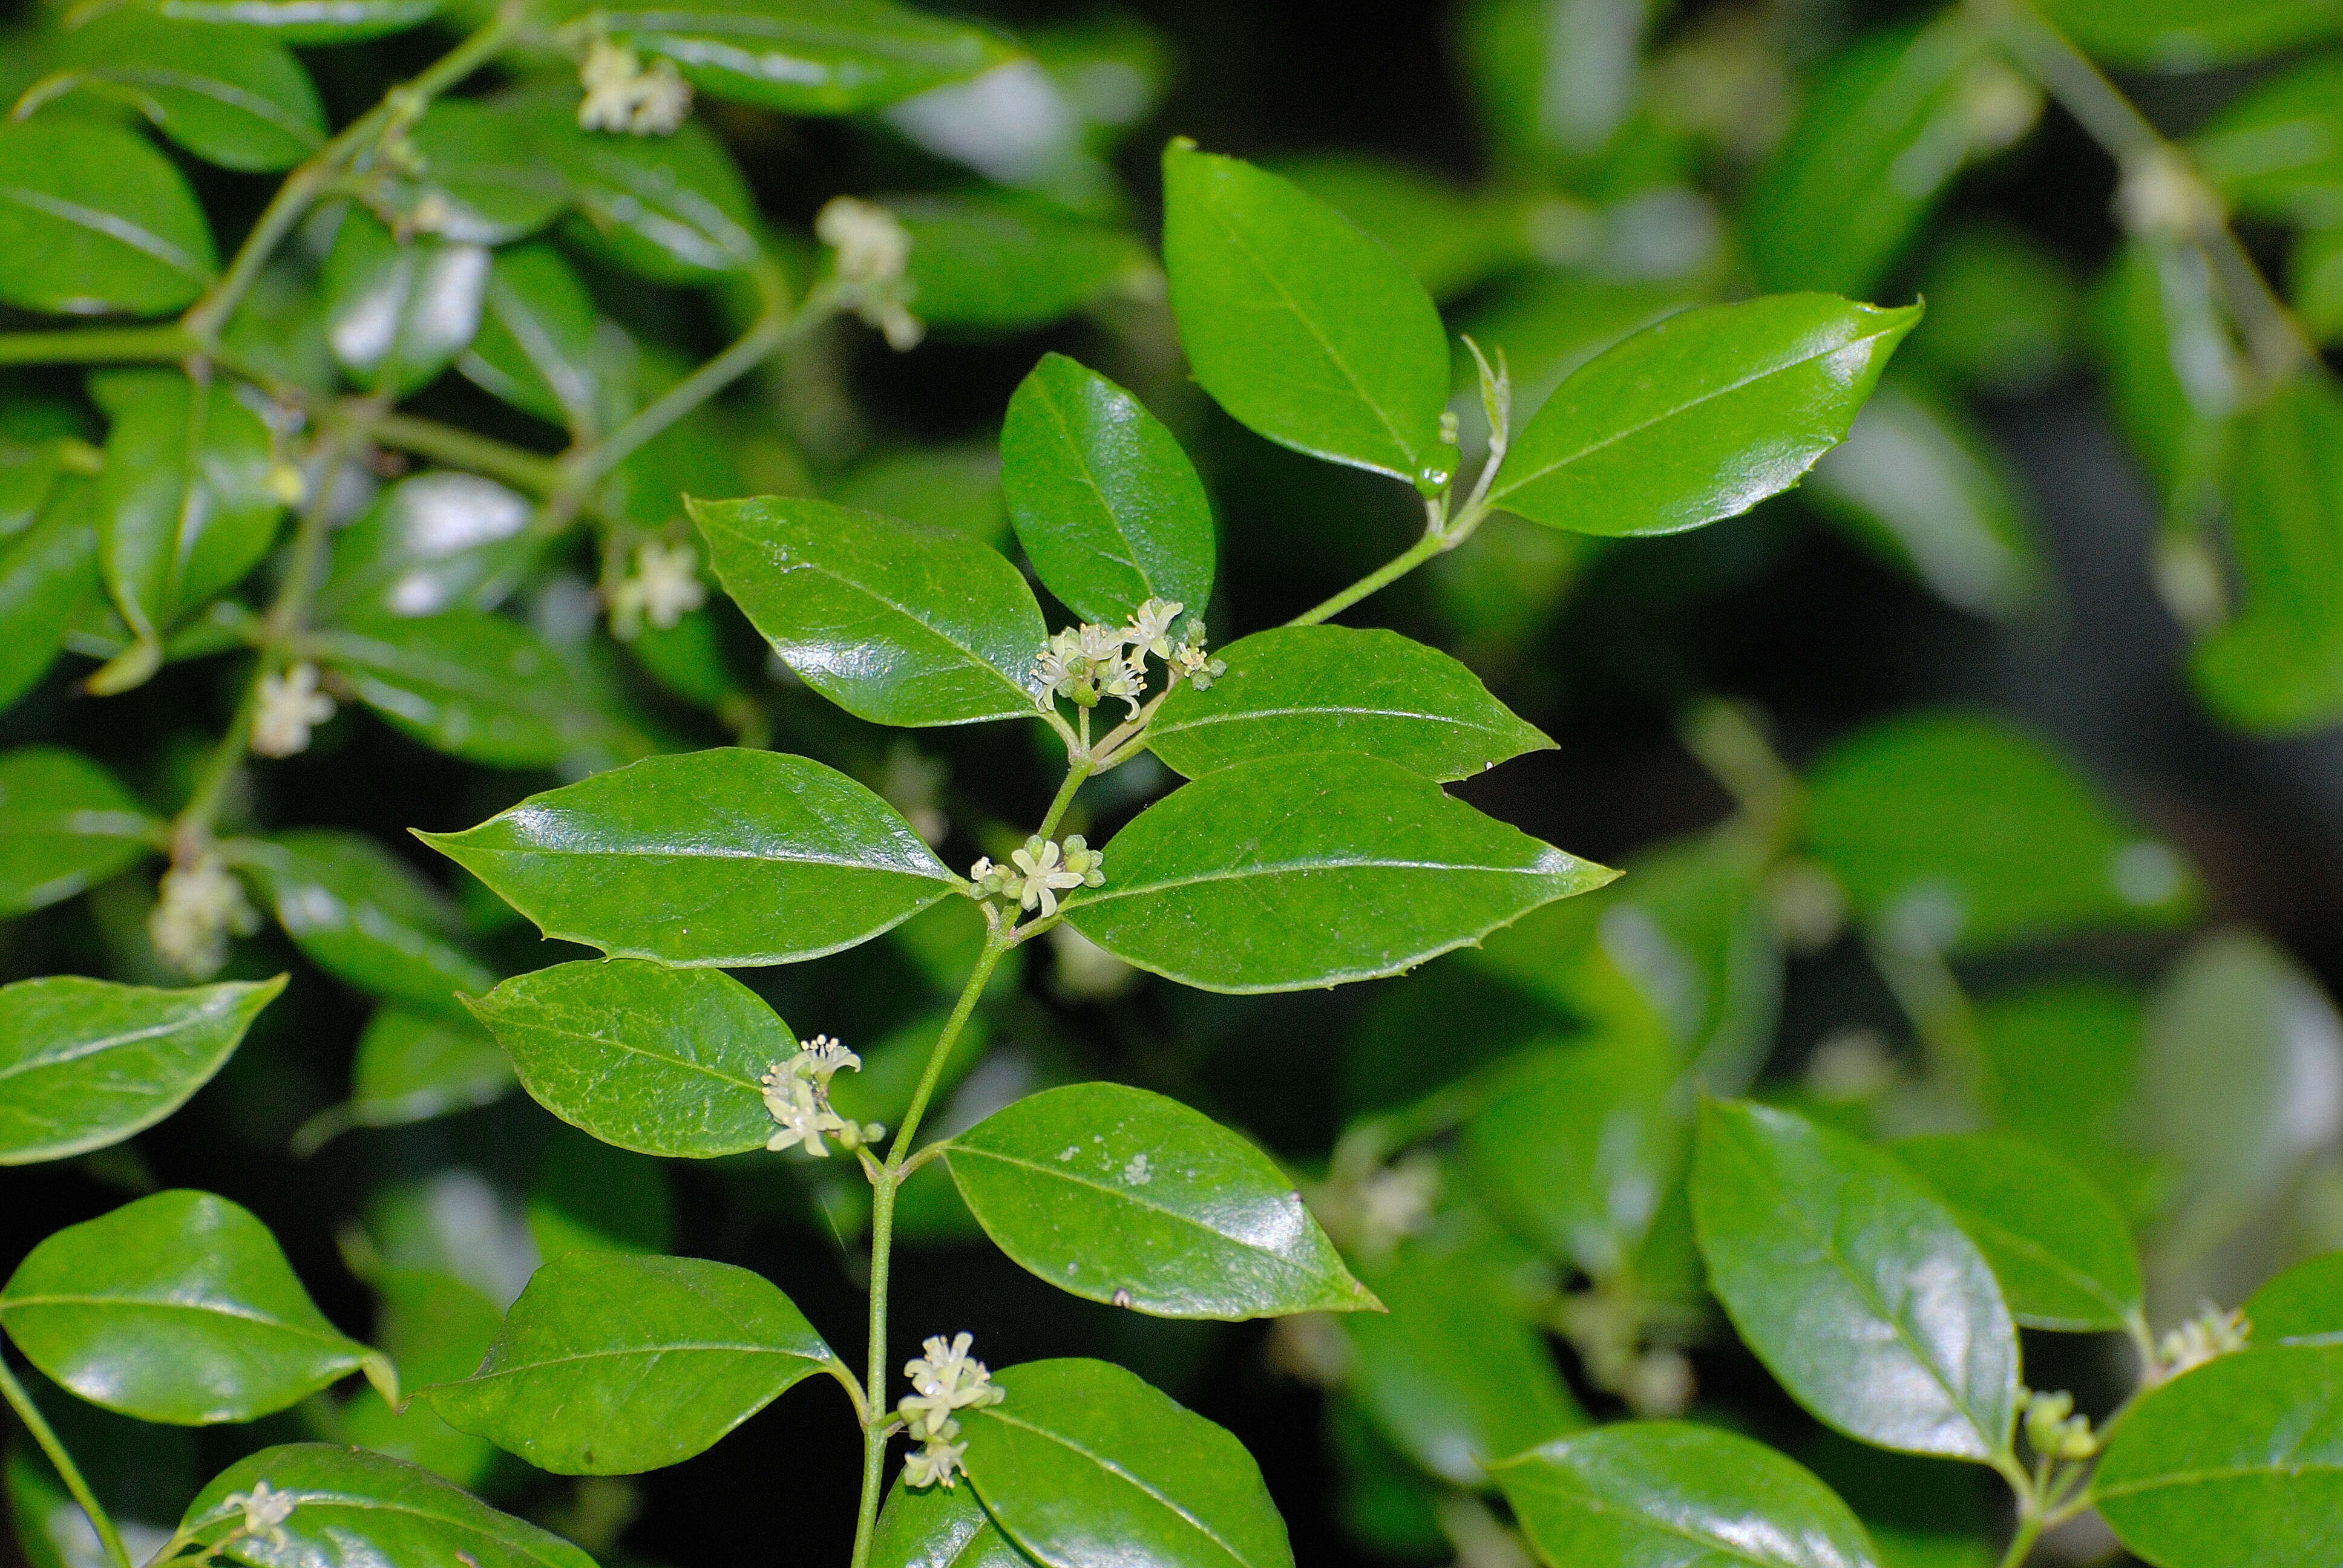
point(621, 96)
point(199, 907)
point(265, 1512)
point(663, 588)
point(796, 1097)
point(2211, 1333)
point(1045, 875)
point(289, 707)
point(1189, 662)
point(820, 1057)
point(938, 1462)
point(872, 245)
point(947, 1379)
point(1151, 627)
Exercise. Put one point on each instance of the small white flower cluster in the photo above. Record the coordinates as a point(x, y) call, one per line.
point(796, 1097)
point(2054, 1430)
point(621, 95)
point(1040, 871)
point(873, 248)
point(266, 1511)
point(947, 1379)
point(2211, 1333)
point(289, 708)
point(663, 588)
point(1087, 662)
point(198, 909)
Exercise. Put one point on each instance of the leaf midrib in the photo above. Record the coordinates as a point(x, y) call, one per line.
point(1595, 1503)
point(2218, 1472)
point(83, 1050)
point(1111, 891)
point(1136, 1484)
point(207, 1308)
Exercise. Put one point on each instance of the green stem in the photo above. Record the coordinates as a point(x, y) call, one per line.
point(1398, 566)
point(2029, 1530)
point(1081, 769)
point(1931, 996)
point(38, 1425)
point(518, 466)
point(97, 345)
point(875, 1424)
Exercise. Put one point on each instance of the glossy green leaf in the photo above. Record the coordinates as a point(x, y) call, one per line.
point(1964, 833)
point(2279, 150)
point(939, 1527)
point(806, 56)
point(478, 177)
point(86, 1063)
point(1002, 267)
point(352, 1509)
point(184, 506)
point(430, 543)
point(1450, 1374)
point(1887, 123)
point(177, 1308)
point(482, 687)
point(896, 623)
point(610, 1364)
point(1700, 417)
point(304, 21)
point(236, 99)
point(2237, 1464)
point(1120, 1195)
point(399, 312)
point(64, 825)
point(1340, 689)
point(1312, 870)
point(1854, 1284)
point(537, 348)
point(1106, 504)
point(2237, 1079)
point(1084, 1463)
point(47, 573)
point(1304, 328)
point(1574, 1146)
point(2279, 665)
point(412, 1067)
point(1915, 483)
point(655, 1060)
point(673, 208)
point(2063, 1257)
point(2190, 35)
point(724, 857)
point(92, 218)
point(1669, 1494)
point(2303, 1305)
point(367, 918)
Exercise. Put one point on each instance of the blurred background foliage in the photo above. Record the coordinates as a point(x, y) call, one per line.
point(1988, 781)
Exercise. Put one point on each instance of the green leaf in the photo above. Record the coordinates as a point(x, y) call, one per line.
point(672, 208)
point(47, 573)
point(1575, 1146)
point(1856, 1287)
point(2190, 35)
point(304, 21)
point(368, 918)
point(1084, 1462)
point(481, 687)
point(806, 56)
point(659, 1061)
point(1118, 1195)
point(1700, 417)
point(236, 99)
point(2303, 1305)
point(92, 218)
point(2174, 371)
point(64, 825)
point(352, 1509)
point(1915, 483)
point(185, 510)
point(2236, 1082)
point(2237, 1464)
point(2278, 667)
point(1340, 689)
point(177, 1308)
point(2061, 1062)
point(537, 348)
point(1000, 267)
point(412, 1067)
point(2314, 283)
point(1669, 1494)
point(2278, 151)
point(896, 623)
point(1106, 504)
point(612, 1364)
point(1304, 329)
point(1958, 830)
point(87, 1063)
point(430, 543)
point(1455, 1378)
point(724, 857)
point(939, 1527)
point(1886, 124)
point(399, 312)
point(478, 179)
point(1312, 870)
point(2063, 1255)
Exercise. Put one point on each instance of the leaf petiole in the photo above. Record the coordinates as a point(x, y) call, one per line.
point(37, 1424)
